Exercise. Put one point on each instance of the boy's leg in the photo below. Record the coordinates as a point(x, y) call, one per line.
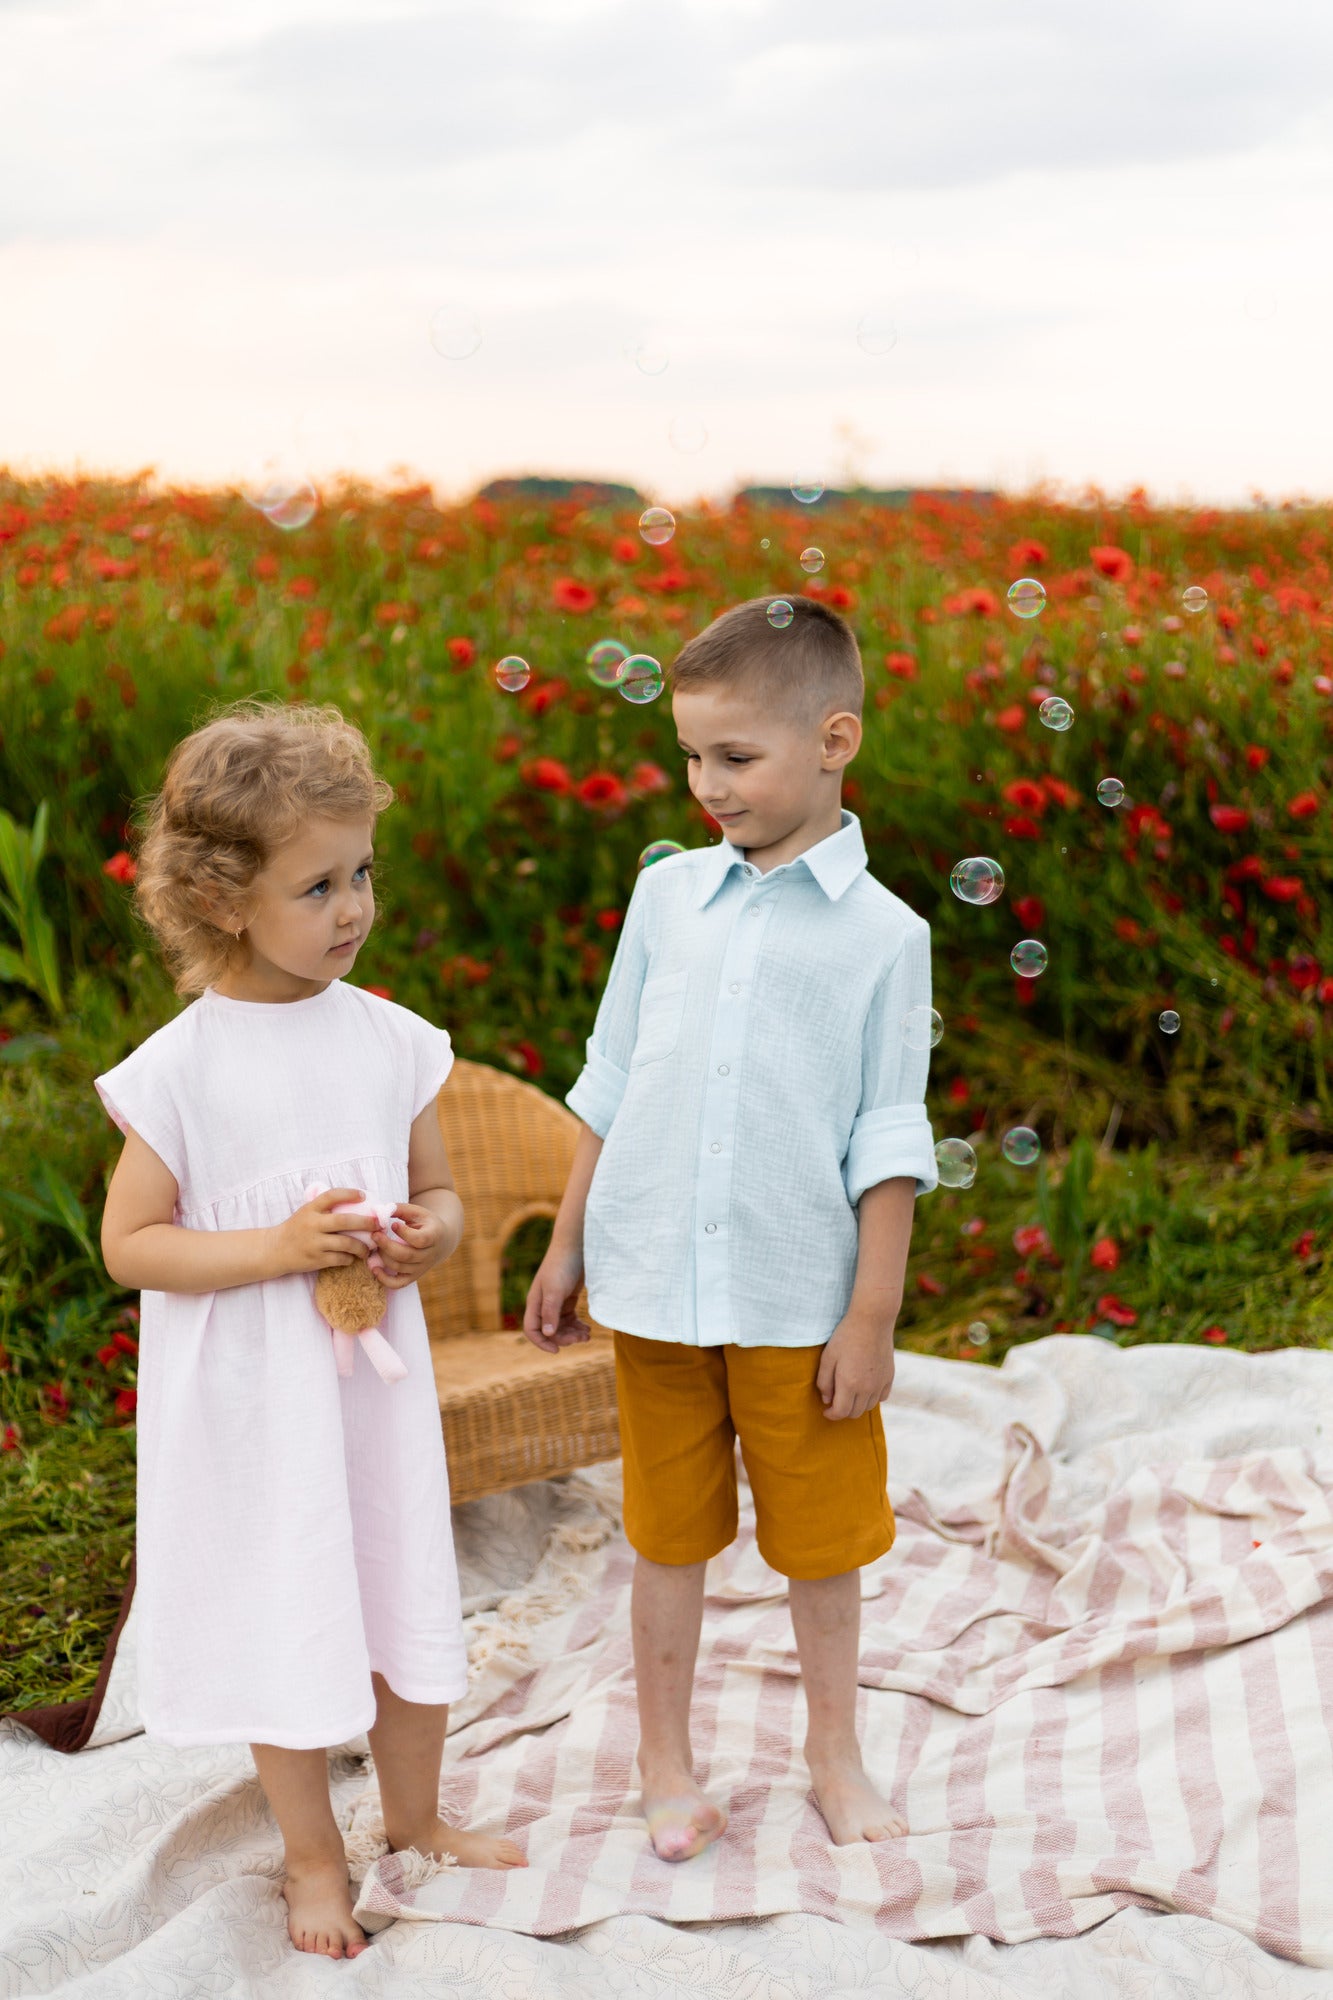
point(826, 1618)
point(666, 1613)
point(317, 1891)
point(407, 1743)
point(678, 1452)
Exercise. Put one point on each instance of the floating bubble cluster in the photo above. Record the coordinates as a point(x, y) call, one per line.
point(780, 613)
point(657, 525)
point(812, 561)
point(1028, 958)
point(922, 1028)
point(956, 1163)
point(512, 673)
point(1020, 1145)
point(1194, 599)
point(605, 659)
point(658, 850)
point(1169, 1021)
point(1056, 713)
point(455, 331)
point(977, 880)
point(1027, 597)
point(641, 678)
point(1110, 791)
point(807, 489)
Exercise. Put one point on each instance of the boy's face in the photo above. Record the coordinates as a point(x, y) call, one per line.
point(760, 773)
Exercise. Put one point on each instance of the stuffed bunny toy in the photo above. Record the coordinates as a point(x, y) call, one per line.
point(350, 1296)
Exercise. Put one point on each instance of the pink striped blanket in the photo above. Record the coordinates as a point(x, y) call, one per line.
point(1096, 1670)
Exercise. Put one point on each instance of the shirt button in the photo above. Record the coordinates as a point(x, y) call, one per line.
point(755, 910)
point(722, 1069)
point(709, 1227)
point(716, 1146)
point(735, 986)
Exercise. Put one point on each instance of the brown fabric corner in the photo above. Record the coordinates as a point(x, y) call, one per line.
point(67, 1725)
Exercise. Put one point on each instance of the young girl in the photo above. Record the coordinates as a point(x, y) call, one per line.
point(295, 1579)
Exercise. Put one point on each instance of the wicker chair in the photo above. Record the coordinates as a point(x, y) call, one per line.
point(510, 1413)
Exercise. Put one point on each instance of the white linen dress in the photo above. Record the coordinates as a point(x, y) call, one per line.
point(293, 1526)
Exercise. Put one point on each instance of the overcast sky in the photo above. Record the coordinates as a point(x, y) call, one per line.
point(1101, 236)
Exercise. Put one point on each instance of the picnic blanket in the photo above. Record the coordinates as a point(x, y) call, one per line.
point(1097, 1678)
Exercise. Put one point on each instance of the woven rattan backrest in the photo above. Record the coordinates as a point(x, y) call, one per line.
point(510, 1147)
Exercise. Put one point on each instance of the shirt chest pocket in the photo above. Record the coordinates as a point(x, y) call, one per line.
point(661, 1008)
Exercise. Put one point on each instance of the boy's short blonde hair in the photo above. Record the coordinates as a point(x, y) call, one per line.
point(808, 668)
point(233, 793)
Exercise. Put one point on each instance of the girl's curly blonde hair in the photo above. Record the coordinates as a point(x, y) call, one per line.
point(233, 792)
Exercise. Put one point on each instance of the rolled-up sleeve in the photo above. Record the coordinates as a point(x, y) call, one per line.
point(597, 1090)
point(891, 1135)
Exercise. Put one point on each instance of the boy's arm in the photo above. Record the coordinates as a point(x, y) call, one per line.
point(856, 1368)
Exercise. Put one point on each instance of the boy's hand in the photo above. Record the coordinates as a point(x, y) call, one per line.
point(415, 1243)
point(856, 1367)
point(549, 1319)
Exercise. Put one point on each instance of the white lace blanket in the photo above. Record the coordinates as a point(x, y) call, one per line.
point(1097, 1678)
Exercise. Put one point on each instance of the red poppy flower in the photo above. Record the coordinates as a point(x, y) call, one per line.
point(546, 774)
point(1028, 555)
point(1019, 827)
point(1303, 805)
point(1026, 794)
point(1283, 888)
point(1215, 1334)
point(609, 920)
point(1057, 789)
point(507, 748)
point(124, 1344)
point(624, 550)
point(647, 778)
point(108, 1355)
point(397, 612)
point(570, 595)
point(11, 1439)
point(1249, 869)
point(1105, 1254)
point(958, 1091)
point(301, 587)
point(1029, 1238)
point(1304, 1244)
point(1010, 719)
point(972, 603)
point(543, 695)
point(126, 1402)
point(601, 789)
point(1131, 635)
point(902, 664)
point(54, 1399)
point(1030, 911)
point(1113, 1308)
point(1229, 819)
point(1109, 561)
point(930, 1286)
point(461, 651)
point(120, 868)
point(383, 992)
point(533, 1061)
point(1325, 993)
point(843, 599)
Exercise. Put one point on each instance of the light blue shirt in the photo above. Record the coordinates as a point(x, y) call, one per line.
point(749, 1074)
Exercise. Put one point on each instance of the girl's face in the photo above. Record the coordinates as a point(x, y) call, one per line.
point(311, 908)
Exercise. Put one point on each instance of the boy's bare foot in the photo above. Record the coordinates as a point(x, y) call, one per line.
point(469, 1850)
point(852, 1808)
point(319, 1911)
point(681, 1821)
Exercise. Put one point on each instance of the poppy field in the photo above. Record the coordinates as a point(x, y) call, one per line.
point(1181, 1187)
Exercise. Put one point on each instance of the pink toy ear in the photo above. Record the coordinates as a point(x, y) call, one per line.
point(313, 1189)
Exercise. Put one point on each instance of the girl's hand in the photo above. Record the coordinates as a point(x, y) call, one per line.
point(311, 1239)
point(415, 1243)
point(549, 1319)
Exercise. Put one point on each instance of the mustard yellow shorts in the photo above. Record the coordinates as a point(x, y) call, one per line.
point(820, 1488)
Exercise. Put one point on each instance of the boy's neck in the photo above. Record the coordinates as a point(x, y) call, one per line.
point(808, 834)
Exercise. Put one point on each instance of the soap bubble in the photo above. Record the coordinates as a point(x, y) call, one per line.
point(978, 1333)
point(605, 660)
point(1169, 1021)
point(687, 433)
point(294, 507)
point(286, 497)
point(922, 1028)
point(807, 489)
point(1110, 791)
point(956, 1163)
point(648, 358)
point(1056, 713)
point(658, 850)
point(1020, 1145)
point(657, 525)
point(1194, 599)
point(812, 561)
point(455, 331)
point(977, 880)
point(641, 678)
point(1028, 958)
point(1027, 597)
point(780, 613)
point(512, 673)
point(875, 332)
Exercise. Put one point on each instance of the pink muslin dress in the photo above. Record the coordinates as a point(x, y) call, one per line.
point(293, 1527)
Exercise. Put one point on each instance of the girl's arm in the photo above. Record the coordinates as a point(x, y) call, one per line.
point(144, 1250)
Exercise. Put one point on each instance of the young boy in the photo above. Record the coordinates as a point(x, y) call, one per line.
point(754, 1138)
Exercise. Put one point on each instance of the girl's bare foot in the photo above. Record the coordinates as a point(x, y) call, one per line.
point(469, 1850)
point(851, 1806)
point(319, 1910)
point(681, 1821)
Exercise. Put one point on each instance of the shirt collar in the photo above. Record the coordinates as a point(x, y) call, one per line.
point(835, 862)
